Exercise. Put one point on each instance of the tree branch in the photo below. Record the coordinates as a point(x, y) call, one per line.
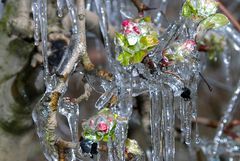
point(141, 6)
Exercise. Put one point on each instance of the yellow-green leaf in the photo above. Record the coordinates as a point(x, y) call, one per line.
point(214, 21)
point(148, 41)
point(124, 58)
point(138, 57)
point(121, 39)
point(188, 10)
point(147, 19)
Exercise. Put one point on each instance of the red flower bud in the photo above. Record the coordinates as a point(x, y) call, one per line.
point(136, 29)
point(102, 127)
point(125, 23)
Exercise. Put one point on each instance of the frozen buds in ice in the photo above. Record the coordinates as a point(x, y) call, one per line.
point(212, 43)
point(177, 52)
point(137, 38)
point(199, 9)
point(204, 11)
point(100, 127)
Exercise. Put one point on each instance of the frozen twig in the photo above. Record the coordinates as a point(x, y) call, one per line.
point(214, 124)
point(86, 94)
point(92, 24)
point(141, 6)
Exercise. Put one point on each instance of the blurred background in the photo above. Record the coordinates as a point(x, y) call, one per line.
point(21, 83)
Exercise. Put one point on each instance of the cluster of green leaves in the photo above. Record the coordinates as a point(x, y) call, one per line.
point(215, 45)
point(211, 21)
point(175, 56)
point(98, 136)
point(133, 54)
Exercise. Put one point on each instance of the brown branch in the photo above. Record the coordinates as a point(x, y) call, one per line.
point(214, 124)
point(61, 153)
point(230, 16)
point(87, 64)
point(174, 74)
point(141, 6)
point(92, 25)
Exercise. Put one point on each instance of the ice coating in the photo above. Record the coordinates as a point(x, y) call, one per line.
point(173, 67)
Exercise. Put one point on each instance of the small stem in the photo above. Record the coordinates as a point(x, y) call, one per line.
point(141, 6)
point(86, 94)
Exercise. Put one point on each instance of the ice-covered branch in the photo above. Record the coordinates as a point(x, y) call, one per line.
point(141, 6)
point(86, 94)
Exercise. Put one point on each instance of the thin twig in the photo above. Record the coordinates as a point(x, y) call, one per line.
point(209, 87)
point(86, 93)
point(214, 124)
point(141, 6)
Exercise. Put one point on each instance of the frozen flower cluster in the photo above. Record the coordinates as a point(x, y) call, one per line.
point(138, 37)
point(100, 127)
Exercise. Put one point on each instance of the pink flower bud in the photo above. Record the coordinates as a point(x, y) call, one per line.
point(91, 123)
point(127, 31)
point(109, 119)
point(136, 29)
point(102, 127)
point(125, 23)
point(189, 45)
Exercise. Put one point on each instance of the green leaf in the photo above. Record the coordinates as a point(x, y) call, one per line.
point(148, 41)
point(188, 10)
point(147, 19)
point(121, 39)
point(124, 58)
point(214, 21)
point(138, 57)
point(104, 111)
point(105, 138)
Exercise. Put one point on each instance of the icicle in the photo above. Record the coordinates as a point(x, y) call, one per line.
point(124, 111)
point(233, 36)
point(60, 7)
point(160, 18)
point(43, 28)
point(88, 5)
point(121, 136)
point(41, 115)
point(110, 149)
point(73, 16)
point(155, 122)
point(101, 10)
point(182, 116)
point(187, 122)
point(35, 11)
point(194, 119)
point(71, 111)
point(228, 114)
point(226, 62)
point(193, 102)
point(124, 10)
point(169, 124)
point(105, 97)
